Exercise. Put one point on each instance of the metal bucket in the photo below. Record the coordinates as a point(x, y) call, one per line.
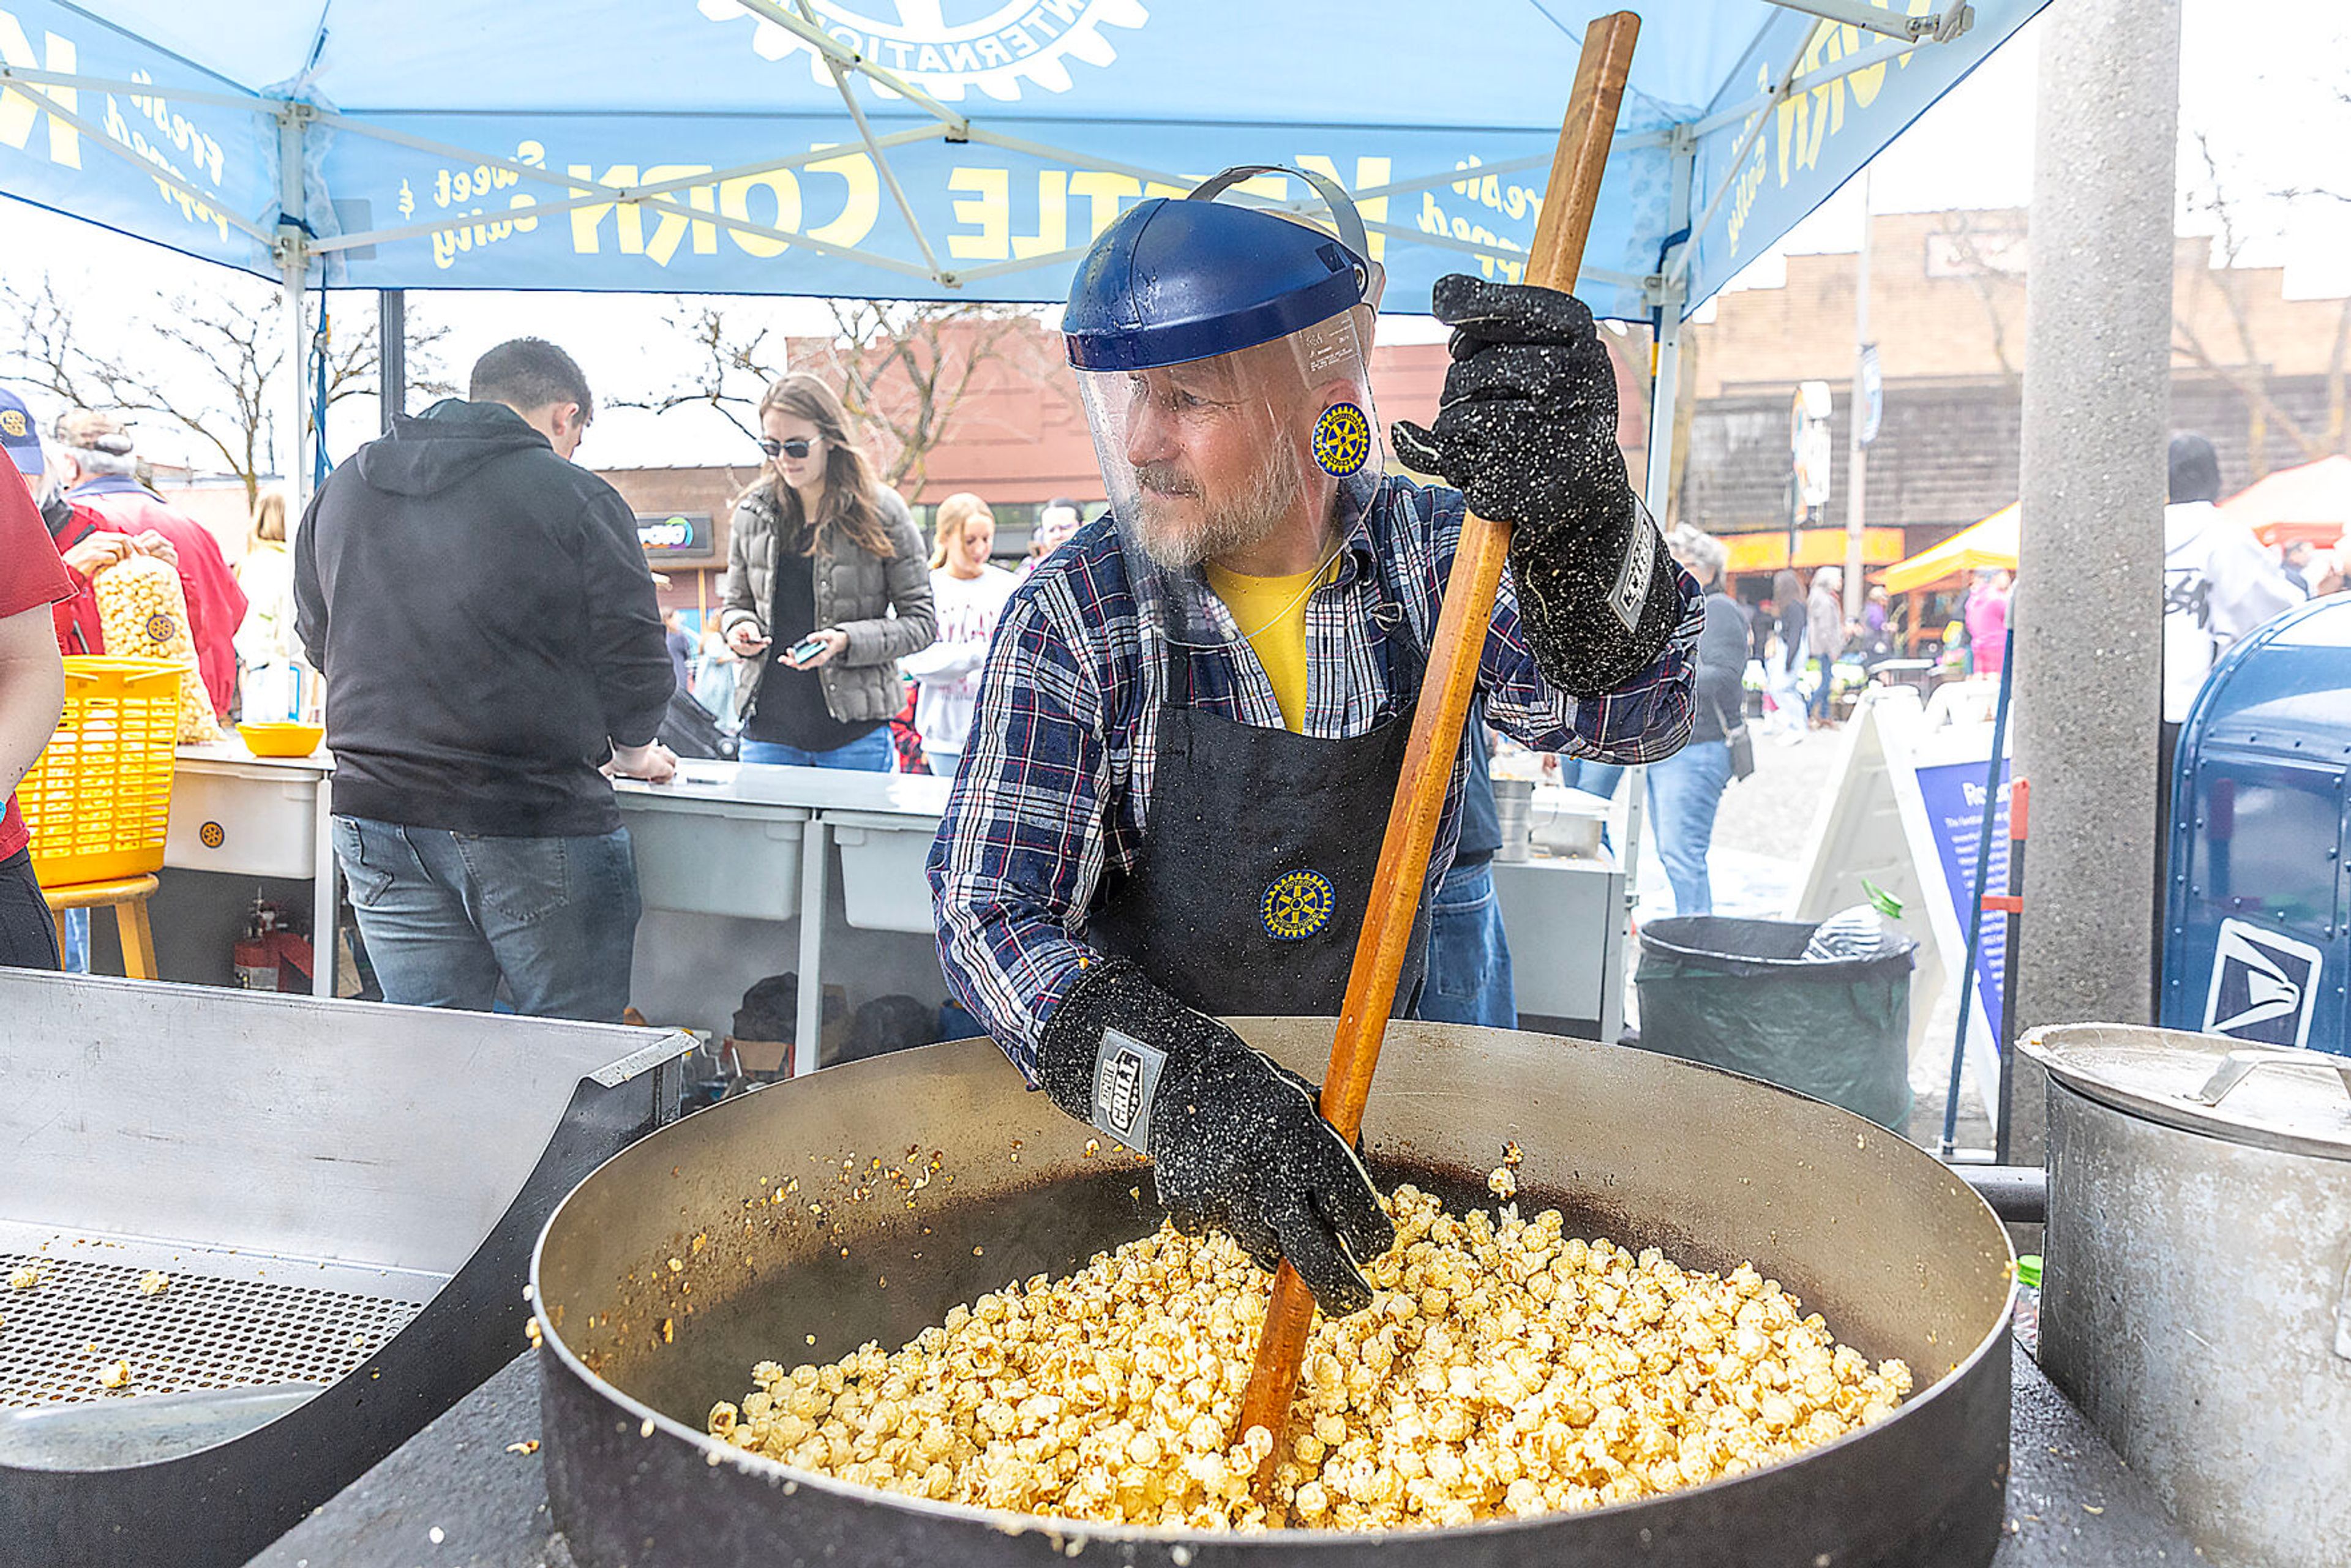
point(1899, 1254)
point(1513, 817)
point(2197, 1297)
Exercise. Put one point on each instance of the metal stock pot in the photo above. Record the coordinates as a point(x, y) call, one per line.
point(673, 1269)
point(2197, 1298)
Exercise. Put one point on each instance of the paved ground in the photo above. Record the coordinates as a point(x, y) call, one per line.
point(1760, 839)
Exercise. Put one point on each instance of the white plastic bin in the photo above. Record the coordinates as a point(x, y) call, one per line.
point(883, 883)
point(711, 857)
point(245, 819)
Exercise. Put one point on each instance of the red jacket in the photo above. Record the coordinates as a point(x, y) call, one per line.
point(30, 576)
point(79, 630)
point(215, 603)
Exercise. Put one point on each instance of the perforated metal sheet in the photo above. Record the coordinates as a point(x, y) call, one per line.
point(201, 1331)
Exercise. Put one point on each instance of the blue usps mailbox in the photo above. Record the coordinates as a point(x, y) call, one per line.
point(2256, 941)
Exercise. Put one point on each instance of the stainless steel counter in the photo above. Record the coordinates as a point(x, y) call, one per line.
point(728, 852)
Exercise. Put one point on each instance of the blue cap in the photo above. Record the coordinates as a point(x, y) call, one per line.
point(18, 435)
point(1184, 279)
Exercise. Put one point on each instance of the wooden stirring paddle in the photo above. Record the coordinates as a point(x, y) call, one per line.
point(1436, 740)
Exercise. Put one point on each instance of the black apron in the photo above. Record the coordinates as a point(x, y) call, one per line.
point(1258, 857)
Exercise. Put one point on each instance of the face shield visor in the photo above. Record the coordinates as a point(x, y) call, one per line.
point(1223, 358)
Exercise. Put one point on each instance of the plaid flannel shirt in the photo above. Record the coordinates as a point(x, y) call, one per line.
point(1055, 783)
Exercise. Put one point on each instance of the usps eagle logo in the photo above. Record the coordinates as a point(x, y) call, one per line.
point(1297, 905)
point(2264, 986)
point(945, 49)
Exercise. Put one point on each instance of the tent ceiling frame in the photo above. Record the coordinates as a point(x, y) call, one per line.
point(655, 195)
point(841, 57)
point(10, 75)
point(1788, 84)
point(1940, 26)
point(1785, 85)
point(873, 150)
point(659, 197)
point(1878, 54)
point(1902, 34)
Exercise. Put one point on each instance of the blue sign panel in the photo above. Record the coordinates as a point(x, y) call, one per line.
point(1954, 794)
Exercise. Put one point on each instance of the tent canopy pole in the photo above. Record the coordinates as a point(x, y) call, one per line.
point(293, 251)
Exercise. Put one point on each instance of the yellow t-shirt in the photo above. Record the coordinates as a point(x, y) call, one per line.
point(1272, 613)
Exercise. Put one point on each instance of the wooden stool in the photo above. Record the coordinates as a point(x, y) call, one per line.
point(128, 897)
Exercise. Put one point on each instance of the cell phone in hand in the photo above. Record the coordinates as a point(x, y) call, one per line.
point(804, 650)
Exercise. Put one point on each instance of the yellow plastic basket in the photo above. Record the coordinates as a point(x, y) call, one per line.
point(101, 796)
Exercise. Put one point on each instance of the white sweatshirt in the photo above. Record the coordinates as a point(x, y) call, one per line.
point(2219, 583)
point(947, 672)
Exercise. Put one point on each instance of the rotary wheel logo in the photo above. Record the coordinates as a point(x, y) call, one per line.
point(211, 836)
point(11, 423)
point(162, 627)
point(1342, 440)
point(994, 47)
point(1297, 905)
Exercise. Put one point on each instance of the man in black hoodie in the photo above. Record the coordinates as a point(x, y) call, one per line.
point(492, 647)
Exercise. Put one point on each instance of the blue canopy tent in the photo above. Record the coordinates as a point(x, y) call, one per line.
point(934, 150)
point(929, 150)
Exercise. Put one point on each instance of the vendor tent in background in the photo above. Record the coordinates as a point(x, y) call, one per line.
point(2309, 505)
point(936, 150)
point(1990, 543)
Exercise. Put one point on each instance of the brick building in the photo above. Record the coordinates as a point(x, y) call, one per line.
point(1018, 438)
point(2260, 373)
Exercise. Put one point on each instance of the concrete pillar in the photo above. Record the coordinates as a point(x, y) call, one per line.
point(2097, 408)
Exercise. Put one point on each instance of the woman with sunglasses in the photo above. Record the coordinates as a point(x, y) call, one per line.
point(828, 587)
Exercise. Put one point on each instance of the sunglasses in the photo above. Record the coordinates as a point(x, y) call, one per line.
point(795, 449)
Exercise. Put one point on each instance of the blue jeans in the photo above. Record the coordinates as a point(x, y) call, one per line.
point(447, 915)
point(1685, 790)
point(1468, 953)
point(866, 754)
point(1599, 778)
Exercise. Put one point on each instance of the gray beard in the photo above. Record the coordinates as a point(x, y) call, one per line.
point(1247, 520)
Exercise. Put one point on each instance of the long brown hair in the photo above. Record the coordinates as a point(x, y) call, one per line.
point(849, 511)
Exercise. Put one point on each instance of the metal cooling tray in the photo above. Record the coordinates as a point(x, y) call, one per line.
point(263, 1240)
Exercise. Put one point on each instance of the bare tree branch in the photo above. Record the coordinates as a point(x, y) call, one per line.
point(902, 370)
point(732, 370)
point(1992, 285)
point(2244, 368)
point(204, 364)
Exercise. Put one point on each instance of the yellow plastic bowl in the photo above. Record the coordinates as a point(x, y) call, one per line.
point(282, 740)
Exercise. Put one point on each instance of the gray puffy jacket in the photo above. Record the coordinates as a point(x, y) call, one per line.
point(885, 606)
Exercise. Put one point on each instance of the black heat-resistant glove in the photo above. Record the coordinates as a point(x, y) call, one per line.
point(1234, 1141)
point(1527, 432)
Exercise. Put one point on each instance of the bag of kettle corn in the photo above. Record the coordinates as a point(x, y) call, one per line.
point(145, 615)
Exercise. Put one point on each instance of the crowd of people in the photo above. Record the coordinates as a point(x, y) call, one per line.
point(843, 643)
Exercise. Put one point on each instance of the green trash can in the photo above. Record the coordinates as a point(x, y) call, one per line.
point(1743, 995)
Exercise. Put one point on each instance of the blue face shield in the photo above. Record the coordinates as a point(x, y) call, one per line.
point(1223, 357)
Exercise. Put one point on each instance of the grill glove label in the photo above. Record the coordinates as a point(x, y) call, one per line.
point(1126, 1080)
point(1235, 1140)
